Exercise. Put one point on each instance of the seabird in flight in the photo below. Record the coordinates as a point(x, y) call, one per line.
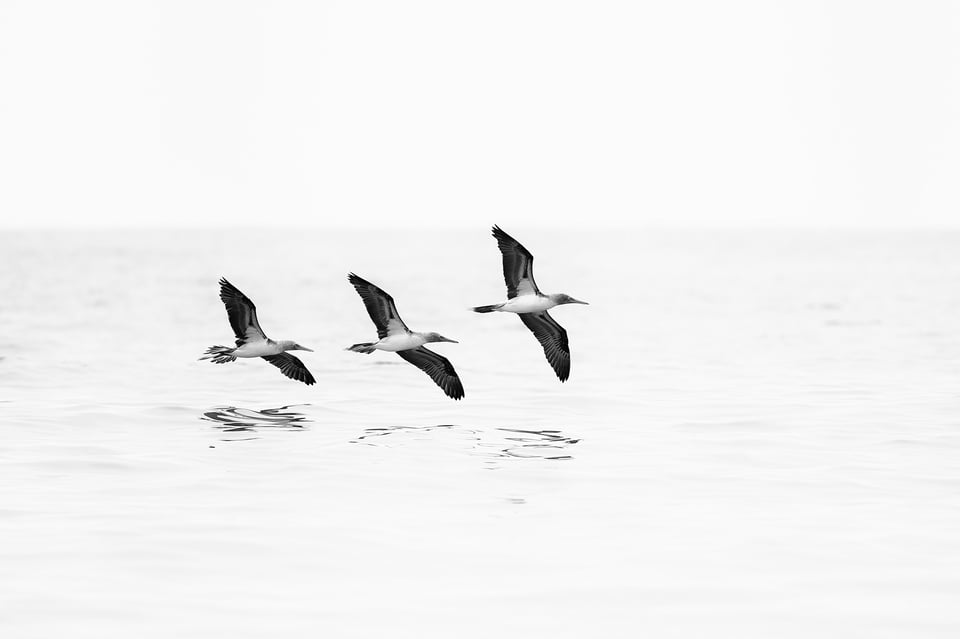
point(251, 342)
point(396, 337)
point(526, 300)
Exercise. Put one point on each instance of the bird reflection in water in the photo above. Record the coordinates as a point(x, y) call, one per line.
point(542, 444)
point(232, 419)
point(497, 442)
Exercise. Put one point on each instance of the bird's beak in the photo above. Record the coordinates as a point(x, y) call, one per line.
point(579, 302)
point(304, 348)
point(447, 339)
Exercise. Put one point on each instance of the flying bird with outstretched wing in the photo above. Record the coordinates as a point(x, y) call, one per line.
point(396, 337)
point(526, 300)
point(251, 340)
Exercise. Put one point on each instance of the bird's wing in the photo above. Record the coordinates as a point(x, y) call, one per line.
point(292, 367)
point(380, 306)
point(437, 367)
point(553, 338)
point(242, 313)
point(517, 265)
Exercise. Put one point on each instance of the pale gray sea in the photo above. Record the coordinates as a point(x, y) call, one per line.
point(760, 438)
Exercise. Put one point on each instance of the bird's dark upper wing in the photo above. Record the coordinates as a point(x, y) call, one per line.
point(437, 367)
point(517, 265)
point(553, 338)
point(380, 306)
point(292, 367)
point(242, 313)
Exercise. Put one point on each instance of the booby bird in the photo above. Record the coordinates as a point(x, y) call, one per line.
point(526, 300)
point(251, 341)
point(396, 337)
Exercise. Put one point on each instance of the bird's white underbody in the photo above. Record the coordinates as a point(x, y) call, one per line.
point(527, 304)
point(401, 342)
point(262, 348)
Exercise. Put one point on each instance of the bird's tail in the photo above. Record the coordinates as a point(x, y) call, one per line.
point(219, 354)
point(486, 309)
point(366, 348)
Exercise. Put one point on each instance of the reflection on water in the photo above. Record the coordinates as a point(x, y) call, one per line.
point(232, 419)
point(544, 444)
point(496, 442)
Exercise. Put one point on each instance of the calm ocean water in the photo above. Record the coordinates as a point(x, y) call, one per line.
point(760, 438)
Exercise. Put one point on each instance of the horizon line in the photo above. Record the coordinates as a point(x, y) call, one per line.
point(426, 226)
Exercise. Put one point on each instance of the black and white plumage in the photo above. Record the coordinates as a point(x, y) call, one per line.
point(380, 306)
point(396, 337)
point(525, 299)
point(252, 341)
point(439, 369)
point(517, 266)
point(292, 367)
point(553, 339)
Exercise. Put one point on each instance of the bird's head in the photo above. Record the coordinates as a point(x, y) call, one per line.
point(290, 345)
point(563, 298)
point(437, 337)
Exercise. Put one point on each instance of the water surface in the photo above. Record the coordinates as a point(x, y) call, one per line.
point(759, 438)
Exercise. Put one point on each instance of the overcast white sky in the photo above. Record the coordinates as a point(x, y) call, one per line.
point(681, 113)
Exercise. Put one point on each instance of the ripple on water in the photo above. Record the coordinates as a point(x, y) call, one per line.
point(542, 444)
point(234, 419)
point(548, 444)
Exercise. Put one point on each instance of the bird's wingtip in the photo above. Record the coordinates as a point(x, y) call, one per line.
point(500, 235)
